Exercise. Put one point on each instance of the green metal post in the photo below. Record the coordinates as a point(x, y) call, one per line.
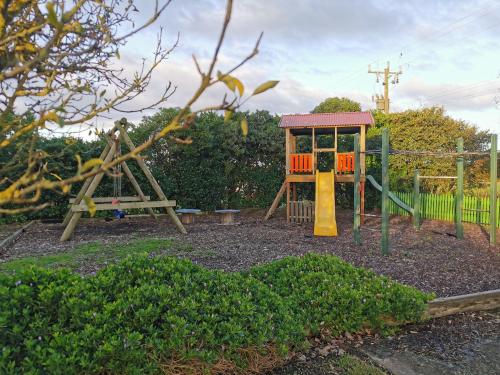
point(416, 200)
point(459, 226)
point(493, 190)
point(385, 191)
point(357, 192)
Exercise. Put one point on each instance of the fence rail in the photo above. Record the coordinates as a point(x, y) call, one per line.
point(442, 207)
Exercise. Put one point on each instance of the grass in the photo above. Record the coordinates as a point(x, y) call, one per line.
point(350, 365)
point(101, 254)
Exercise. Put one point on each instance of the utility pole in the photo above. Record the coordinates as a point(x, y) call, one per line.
point(383, 101)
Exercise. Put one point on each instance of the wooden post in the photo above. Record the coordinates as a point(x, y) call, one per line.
point(85, 186)
point(288, 202)
point(385, 191)
point(314, 162)
point(362, 148)
point(459, 226)
point(357, 197)
point(75, 217)
point(151, 179)
point(287, 151)
point(362, 163)
point(416, 200)
point(493, 190)
point(362, 204)
point(136, 186)
point(336, 151)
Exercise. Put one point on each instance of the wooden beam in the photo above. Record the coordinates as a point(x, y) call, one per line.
point(111, 199)
point(335, 155)
point(123, 206)
point(75, 217)
point(325, 149)
point(276, 201)
point(287, 201)
point(151, 179)
point(5, 243)
point(481, 301)
point(493, 190)
point(439, 177)
point(137, 187)
point(362, 196)
point(313, 146)
point(300, 178)
point(311, 178)
point(287, 151)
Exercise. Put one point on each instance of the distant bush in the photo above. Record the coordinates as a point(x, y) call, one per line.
point(153, 315)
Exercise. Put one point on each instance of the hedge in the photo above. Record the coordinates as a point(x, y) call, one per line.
point(148, 315)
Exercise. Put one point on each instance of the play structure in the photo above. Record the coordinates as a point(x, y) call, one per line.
point(302, 168)
point(118, 204)
point(302, 133)
point(386, 194)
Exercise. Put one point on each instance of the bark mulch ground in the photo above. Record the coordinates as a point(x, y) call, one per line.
point(431, 259)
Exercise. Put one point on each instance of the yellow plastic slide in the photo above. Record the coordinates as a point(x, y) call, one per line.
point(324, 217)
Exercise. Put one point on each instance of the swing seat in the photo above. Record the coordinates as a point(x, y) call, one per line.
point(119, 214)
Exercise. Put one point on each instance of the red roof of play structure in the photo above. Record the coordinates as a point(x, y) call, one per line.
point(326, 119)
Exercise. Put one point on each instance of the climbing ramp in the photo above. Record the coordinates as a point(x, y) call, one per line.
point(324, 220)
point(391, 195)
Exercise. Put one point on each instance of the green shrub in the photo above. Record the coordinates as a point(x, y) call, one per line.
point(133, 317)
point(325, 291)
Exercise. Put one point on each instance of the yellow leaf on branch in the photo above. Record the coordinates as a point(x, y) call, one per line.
point(244, 126)
point(264, 87)
point(90, 205)
point(89, 164)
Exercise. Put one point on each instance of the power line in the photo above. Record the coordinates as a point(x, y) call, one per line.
point(437, 35)
point(458, 90)
point(482, 12)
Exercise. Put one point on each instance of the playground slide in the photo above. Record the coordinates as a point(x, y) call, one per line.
point(393, 197)
point(324, 216)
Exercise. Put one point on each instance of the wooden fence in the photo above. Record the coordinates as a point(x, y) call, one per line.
point(442, 207)
point(301, 211)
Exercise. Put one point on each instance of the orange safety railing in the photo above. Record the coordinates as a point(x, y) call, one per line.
point(301, 163)
point(345, 162)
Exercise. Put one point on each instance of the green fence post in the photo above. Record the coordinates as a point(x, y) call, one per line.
point(459, 226)
point(357, 192)
point(385, 191)
point(493, 190)
point(416, 200)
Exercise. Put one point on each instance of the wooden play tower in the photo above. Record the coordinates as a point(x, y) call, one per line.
point(303, 131)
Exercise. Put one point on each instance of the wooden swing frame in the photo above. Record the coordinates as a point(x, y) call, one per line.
point(78, 205)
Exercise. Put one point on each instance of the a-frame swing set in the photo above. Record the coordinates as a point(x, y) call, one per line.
point(115, 137)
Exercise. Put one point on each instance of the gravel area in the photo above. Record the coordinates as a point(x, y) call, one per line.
point(461, 344)
point(431, 259)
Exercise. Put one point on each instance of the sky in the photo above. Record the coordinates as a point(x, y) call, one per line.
point(448, 52)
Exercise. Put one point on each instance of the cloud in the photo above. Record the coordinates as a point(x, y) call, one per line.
point(461, 97)
point(319, 49)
